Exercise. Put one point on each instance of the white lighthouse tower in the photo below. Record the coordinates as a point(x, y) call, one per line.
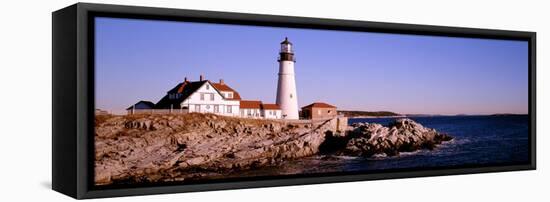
point(286, 86)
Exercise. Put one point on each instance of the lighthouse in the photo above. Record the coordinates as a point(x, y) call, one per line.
point(287, 99)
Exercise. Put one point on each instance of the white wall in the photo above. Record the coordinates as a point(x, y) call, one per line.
point(207, 105)
point(227, 93)
point(287, 97)
point(251, 113)
point(26, 60)
point(272, 114)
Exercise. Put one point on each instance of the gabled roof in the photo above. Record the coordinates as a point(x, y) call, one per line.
point(270, 106)
point(185, 88)
point(225, 87)
point(149, 104)
point(250, 104)
point(319, 105)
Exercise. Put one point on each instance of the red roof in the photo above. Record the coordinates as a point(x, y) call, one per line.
point(225, 87)
point(182, 86)
point(250, 104)
point(319, 105)
point(270, 106)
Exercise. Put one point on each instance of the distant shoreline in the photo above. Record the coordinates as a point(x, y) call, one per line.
point(367, 114)
point(509, 115)
point(428, 115)
point(376, 117)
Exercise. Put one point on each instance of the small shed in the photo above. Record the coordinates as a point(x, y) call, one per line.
point(319, 110)
point(140, 106)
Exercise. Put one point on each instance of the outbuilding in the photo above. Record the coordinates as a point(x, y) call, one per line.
point(140, 107)
point(319, 110)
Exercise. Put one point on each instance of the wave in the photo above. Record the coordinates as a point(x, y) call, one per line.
point(347, 157)
point(336, 157)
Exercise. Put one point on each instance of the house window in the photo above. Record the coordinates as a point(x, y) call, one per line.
point(229, 109)
point(207, 106)
point(202, 96)
point(197, 108)
point(207, 87)
point(229, 95)
point(291, 95)
point(216, 109)
point(211, 96)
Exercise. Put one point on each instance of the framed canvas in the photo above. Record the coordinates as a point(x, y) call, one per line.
point(156, 100)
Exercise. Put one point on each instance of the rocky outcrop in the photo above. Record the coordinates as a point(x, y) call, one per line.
point(161, 148)
point(367, 139)
point(164, 148)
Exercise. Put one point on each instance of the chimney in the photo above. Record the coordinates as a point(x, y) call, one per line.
point(185, 79)
point(221, 81)
point(201, 78)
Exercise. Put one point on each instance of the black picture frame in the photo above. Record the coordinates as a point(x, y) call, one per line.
point(73, 95)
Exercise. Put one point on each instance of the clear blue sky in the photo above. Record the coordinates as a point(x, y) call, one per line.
point(142, 59)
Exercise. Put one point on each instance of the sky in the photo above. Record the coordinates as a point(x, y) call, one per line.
point(408, 74)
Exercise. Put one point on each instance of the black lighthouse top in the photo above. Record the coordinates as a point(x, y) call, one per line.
point(286, 41)
point(286, 53)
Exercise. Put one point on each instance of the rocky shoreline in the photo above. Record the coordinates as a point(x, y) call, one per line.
point(368, 139)
point(165, 148)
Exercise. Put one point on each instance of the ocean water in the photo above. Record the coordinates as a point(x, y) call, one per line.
point(478, 141)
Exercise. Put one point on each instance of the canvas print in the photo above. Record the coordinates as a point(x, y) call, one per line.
point(189, 102)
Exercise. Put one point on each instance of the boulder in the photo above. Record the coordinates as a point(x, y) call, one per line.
point(402, 135)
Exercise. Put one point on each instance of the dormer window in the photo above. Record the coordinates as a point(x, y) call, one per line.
point(229, 95)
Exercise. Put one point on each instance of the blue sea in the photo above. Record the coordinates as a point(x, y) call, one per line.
point(478, 141)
